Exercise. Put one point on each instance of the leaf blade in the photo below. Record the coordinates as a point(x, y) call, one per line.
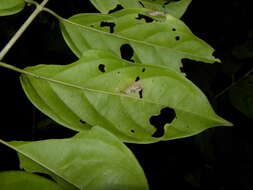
point(176, 9)
point(90, 160)
point(117, 104)
point(12, 180)
point(9, 7)
point(152, 43)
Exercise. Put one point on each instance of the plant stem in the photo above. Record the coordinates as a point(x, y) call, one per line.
point(234, 83)
point(21, 30)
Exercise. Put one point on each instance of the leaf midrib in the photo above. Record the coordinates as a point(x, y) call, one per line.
point(112, 93)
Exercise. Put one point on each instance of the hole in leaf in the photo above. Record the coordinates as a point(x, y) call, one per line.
point(143, 70)
point(111, 25)
point(101, 67)
point(177, 38)
point(141, 93)
point(137, 79)
point(81, 121)
point(182, 69)
point(132, 131)
point(165, 3)
point(141, 4)
point(166, 116)
point(126, 52)
point(117, 8)
point(146, 18)
point(174, 29)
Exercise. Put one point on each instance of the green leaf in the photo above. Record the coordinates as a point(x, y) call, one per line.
point(176, 9)
point(9, 7)
point(19, 180)
point(120, 96)
point(92, 160)
point(241, 96)
point(162, 43)
point(105, 6)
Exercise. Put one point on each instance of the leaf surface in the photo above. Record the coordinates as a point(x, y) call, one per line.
point(19, 180)
point(105, 6)
point(176, 9)
point(152, 42)
point(9, 7)
point(91, 160)
point(123, 97)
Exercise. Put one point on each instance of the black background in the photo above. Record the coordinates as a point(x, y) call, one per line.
point(217, 159)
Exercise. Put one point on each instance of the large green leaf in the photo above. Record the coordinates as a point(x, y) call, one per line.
point(9, 7)
point(92, 160)
point(241, 96)
point(19, 180)
point(175, 8)
point(162, 43)
point(120, 96)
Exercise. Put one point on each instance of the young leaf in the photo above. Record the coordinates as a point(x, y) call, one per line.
point(92, 160)
point(176, 9)
point(152, 42)
point(14, 180)
point(122, 97)
point(9, 7)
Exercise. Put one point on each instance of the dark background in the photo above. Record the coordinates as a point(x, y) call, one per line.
point(217, 159)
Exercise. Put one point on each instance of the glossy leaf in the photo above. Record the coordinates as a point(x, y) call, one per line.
point(176, 9)
point(9, 7)
point(161, 43)
point(120, 96)
point(241, 96)
point(19, 180)
point(92, 160)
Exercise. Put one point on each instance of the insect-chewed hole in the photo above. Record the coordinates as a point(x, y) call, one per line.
point(168, 1)
point(117, 8)
point(166, 116)
point(141, 93)
point(127, 52)
point(143, 70)
point(146, 18)
point(182, 69)
point(101, 67)
point(165, 3)
point(132, 131)
point(141, 4)
point(174, 29)
point(111, 25)
point(137, 78)
point(81, 121)
point(177, 38)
